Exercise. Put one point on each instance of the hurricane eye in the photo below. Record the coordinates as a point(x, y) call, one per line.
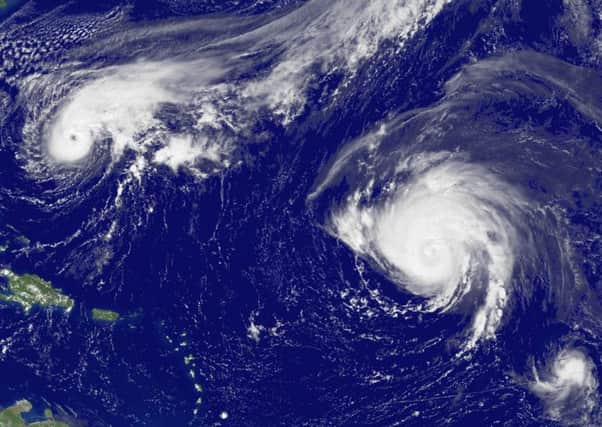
point(493, 236)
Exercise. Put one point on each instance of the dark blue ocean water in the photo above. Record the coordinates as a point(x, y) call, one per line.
point(285, 323)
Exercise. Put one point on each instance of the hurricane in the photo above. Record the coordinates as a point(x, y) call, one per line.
point(456, 228)
point(567, 386)
point(446, 232)
point(301, 213)
point(191, 106)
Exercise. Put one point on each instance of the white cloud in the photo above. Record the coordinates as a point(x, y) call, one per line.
point(182, 150)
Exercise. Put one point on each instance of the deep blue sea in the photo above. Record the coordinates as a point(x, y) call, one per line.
point(305, 212)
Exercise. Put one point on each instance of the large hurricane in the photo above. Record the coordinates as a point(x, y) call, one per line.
point(444, 232)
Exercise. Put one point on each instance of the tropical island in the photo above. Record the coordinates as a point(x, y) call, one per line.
point(104, 315)
point(30, 290)
point(12, 417)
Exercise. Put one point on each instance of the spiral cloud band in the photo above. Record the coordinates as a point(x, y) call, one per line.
point(568, 387)
point(445, 232)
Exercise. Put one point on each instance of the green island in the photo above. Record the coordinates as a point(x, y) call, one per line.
point(2, 4)
point(30, 290)
point(12, 417)
point(104, 315)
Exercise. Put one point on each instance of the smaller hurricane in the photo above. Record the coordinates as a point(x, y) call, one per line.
point(121, 103)
point(117, 105)
point(214, 80)
point(446, 231)
point(568, 387)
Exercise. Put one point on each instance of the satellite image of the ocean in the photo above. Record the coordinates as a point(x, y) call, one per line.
point(300, 213)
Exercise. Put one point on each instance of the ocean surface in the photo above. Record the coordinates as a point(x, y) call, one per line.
point(305, 213)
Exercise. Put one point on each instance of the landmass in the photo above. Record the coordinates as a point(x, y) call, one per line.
point(12, 417)
point(2, 4)
point(104, 315)
point(30, 290)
